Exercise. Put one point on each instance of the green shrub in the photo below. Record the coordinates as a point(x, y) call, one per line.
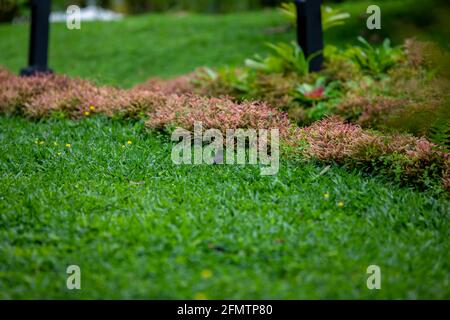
point(285, 58)
point(227, 81)
point(375, 60)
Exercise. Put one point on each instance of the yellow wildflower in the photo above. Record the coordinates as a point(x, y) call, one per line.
point(340, 204)
point(326, 195)
point(200, 296)
point(86, 113)
point(129, 142)
point(92, 108)
point(68, 145)
point(206, 274)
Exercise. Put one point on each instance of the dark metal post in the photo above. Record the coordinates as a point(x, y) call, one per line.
point(39, 32)
point(309, 31)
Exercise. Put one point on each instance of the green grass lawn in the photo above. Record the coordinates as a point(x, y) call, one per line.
point(141, 227)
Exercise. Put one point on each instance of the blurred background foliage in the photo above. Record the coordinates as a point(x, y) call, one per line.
point(9, 8)
point(13, 8)
point(207, 39)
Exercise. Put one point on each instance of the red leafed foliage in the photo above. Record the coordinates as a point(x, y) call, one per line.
point(404, 157)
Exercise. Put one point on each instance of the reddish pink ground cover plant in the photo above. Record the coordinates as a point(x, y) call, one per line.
point(43, 95)
point(218, 113)
point(406, 158)
point(179, 85)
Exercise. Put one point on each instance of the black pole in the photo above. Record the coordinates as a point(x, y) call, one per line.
point(39, 31)
point(309, 31)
